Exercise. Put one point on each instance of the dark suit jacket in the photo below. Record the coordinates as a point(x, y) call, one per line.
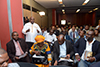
point(11, 48)
point(80, 46)
point(69, 50)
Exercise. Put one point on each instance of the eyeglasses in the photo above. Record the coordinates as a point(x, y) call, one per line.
point(4, 62)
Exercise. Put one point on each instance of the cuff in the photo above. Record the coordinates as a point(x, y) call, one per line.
point(76, 54)
point(95, 59)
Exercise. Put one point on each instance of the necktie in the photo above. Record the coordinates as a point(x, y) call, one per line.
point(20, 48)
point(73, 35)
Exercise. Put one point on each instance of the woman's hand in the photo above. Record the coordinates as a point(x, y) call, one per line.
point(37, 52)
point(50, 64)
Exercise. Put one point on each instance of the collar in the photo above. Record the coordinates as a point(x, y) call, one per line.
point(63, 43)
point(31, 23)
point(92, 40)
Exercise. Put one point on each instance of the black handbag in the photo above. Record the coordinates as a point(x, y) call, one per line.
point(40, 60)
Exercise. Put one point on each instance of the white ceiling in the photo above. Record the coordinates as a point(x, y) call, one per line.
point(70, 5)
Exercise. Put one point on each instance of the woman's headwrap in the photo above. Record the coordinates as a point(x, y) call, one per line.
point(39, 38)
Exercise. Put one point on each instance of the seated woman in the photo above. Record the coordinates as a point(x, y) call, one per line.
point(41, 47)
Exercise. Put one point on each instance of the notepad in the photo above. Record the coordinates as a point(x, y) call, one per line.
point(63, 59)
point(22, 56)
point(35, 56)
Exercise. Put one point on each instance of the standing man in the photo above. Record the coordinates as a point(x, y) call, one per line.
point(31, 30)
point(87, 50)
point(62, 49)
point(17, 49)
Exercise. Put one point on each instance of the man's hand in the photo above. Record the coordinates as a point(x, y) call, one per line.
point(26, 54)
point(91, 59)
point(55, 63)
point(38, 31)
point(77, 57)
point(67, 56)
point(37, 52)
point(27, 30)
point(17, 58)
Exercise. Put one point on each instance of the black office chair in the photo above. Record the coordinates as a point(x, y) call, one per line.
point(25, 64)
point(60, 66)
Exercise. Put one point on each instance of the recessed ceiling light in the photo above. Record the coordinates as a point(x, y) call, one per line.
point(77, 10)
point(85, 2)
point(90, 11)
point(95, 9)
point(60, 1)
point(63, 10)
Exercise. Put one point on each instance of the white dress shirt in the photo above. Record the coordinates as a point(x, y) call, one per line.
point(88, 48)
point(44, 33)
point(50, 38)
point(13, 65)
point(71, 31)
point(62, 50)
point(30, 36)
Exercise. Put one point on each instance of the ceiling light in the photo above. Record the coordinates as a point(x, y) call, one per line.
point(63, 5)
point(90, 11)
point(63, 22)
point(77, 10)
point(85, 2)
point(95, 9)
point(60, 1)
point(63, 10)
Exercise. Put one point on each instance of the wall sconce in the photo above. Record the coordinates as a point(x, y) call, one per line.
point(41, 13)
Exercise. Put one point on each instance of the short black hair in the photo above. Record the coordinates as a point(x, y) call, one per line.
point(13, 33)
point(2, 51)
point(84, 32)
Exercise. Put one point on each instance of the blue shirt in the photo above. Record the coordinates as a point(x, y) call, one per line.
point(62, 50)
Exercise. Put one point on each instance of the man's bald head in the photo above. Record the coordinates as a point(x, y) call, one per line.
point(4, 58)
point(61, 39)
point(32, 20)
point(61, 36)
point(2, 51)
point(90, 35)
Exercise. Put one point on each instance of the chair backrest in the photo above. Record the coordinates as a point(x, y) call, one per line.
point(60, 66)
point(25, 64)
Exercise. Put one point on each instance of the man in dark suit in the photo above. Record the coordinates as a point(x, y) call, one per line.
point(62, 49)
point(85, 45)
point(17, 49)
